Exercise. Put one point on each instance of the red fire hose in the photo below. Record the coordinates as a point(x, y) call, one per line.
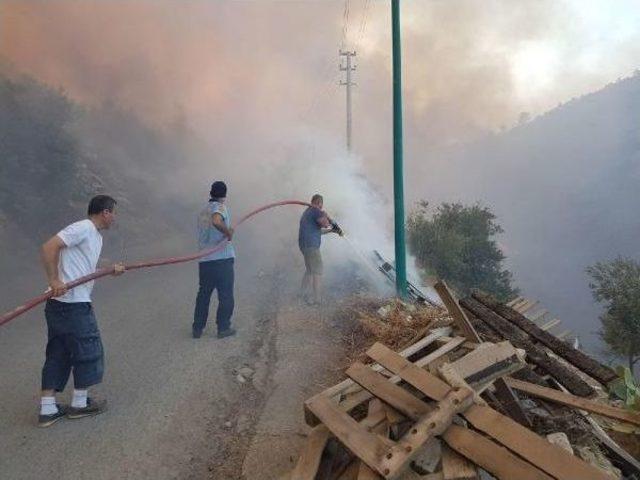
point(7, 317)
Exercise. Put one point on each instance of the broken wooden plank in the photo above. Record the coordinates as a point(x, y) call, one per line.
point(407, 370)
point(365, 472)
point(453, 378)
point(492, 457)
point(443, 350)
point(309, 460)
point(488, 362)
point(435, 334)
point(433, 366)
point(524, 442)
point(538, 315)
point(367, 446)
point(388, 392)
point(575, 402)
point(486, 353)
point(457, 467)
point(459, 318)
point(550, 324)
point(522, 302)
point(577, 358)
point(515, 301)
point(530, 446)
point(527, 306)
point(510, 402)
point(503, 393)
point(486, 379)
point(629, 461)
point(535, 354)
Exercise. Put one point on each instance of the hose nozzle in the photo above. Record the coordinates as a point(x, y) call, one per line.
point(335, 228)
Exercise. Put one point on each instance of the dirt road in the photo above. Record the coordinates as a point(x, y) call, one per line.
point(177, 407)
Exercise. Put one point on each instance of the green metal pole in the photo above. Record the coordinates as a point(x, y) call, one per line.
point(398, 179)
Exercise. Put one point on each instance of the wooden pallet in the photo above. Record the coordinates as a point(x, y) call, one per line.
point(522, 441)
point(402, 393)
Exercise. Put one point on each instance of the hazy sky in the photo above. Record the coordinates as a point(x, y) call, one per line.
point(165, 58)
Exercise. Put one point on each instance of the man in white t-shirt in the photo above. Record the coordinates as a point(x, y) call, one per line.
point(74, 343)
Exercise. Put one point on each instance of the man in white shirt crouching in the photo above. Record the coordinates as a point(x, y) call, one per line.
point(74, 343)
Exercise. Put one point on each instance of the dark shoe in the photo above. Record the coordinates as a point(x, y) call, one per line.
point(48, 420)
point(93, 408)
point(196, 333)
point(229, 332)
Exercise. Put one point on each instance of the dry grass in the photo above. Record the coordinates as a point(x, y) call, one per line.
point(366, 320)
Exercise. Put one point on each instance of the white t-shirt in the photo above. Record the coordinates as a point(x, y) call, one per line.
point(84, 243)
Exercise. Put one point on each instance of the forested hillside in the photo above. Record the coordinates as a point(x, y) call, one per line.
point(56, 154)
point(565, 187)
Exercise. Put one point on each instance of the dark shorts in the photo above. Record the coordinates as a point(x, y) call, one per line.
point(74, 345)
point(312, 260)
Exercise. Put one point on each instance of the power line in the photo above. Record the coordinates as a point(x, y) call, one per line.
point(363, 23)
point(345, 23)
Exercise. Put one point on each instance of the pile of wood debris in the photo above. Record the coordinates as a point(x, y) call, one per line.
point(474, 391)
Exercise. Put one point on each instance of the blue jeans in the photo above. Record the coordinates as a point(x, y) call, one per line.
point(74, 344)
point(215, 275)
